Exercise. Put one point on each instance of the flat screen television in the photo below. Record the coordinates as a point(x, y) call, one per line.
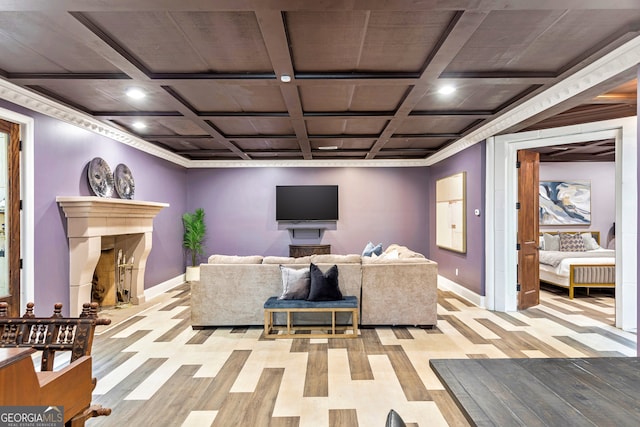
point(306, 203)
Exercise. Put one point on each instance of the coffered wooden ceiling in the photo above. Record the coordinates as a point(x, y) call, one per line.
point(365, 75)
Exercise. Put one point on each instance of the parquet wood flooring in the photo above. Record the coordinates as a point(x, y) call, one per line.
point(154, 369)
point(316, 383)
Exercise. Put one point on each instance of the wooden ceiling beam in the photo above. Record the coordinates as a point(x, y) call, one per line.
point(460, 30)
point(270, 79)
point(175, 137)
point(102, 44)
point(275, 38)
point(308, 5)
point(187, 111)
point(111, 115)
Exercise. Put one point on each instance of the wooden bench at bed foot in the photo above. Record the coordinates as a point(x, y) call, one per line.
point(591, 276)
point(274, 305)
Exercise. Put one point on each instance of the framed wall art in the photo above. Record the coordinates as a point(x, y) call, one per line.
point(565, 202)
point(450, 213)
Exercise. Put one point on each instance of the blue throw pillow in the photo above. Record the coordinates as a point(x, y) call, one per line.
point(371, 249)
point(324, 286)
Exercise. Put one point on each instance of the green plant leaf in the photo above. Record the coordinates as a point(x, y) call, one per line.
point(195, 231)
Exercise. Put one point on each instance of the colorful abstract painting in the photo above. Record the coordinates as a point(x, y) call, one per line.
point(565, 202)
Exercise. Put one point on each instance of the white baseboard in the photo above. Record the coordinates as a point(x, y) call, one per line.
point(449, 285)
point(163, 287)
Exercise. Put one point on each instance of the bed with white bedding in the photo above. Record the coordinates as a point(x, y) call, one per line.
point(575, 264)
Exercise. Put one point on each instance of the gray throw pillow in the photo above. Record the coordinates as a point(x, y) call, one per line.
point(295, 283)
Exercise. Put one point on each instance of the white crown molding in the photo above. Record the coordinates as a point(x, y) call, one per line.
point(38, 103)
point(610, 65)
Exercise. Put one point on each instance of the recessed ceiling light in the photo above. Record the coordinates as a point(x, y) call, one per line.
point(135, 93)
point(139, 125)
point(446, 90)
point(285, 78)
point(328, 147)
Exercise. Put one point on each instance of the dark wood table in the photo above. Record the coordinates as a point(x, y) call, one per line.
point(544, 392)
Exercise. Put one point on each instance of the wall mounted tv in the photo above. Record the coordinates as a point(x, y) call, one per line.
point(306, 203)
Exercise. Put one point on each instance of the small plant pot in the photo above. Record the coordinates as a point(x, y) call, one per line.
point(192, 274)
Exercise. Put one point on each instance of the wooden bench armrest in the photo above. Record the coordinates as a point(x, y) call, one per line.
point(77, 367)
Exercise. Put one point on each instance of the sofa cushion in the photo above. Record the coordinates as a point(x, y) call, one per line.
point(295, 283)
point(371, 249)
point(324, 286)
point(385, 260)
point(335, 259)
point(394, 254)
point(403, 251)
point(235, 259)
point(278, 260)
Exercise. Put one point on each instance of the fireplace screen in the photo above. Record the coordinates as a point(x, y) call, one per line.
point(112, 279)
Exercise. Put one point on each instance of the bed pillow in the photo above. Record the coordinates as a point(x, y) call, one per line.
point(295, 283)
point(571, 242)
point(324, 286)
point(590, 242)
point(551, 242)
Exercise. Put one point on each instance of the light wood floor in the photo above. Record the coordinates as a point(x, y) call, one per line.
point(154, 370)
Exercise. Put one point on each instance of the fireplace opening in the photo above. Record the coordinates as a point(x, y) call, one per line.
point(113, 275)
point(103, 286)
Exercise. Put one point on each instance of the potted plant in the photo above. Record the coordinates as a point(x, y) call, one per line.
point(194, 232)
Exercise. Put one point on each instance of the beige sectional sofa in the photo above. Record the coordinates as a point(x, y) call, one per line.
point(396, 288)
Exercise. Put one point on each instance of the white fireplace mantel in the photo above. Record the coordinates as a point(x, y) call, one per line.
point(88, 220)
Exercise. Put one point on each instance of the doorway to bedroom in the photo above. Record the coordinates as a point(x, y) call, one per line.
point(575, 196)
point(501, 223)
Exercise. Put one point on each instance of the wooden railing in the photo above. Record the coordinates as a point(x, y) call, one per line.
point(72, 384)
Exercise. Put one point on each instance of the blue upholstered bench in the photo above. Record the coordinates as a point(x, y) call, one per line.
point(274, 305)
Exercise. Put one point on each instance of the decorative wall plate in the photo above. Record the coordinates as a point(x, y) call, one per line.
point(100, 177)
point(125, 187)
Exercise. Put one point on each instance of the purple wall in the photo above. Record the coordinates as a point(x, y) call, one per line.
point(470, 265)
point(388, 205)
point(61, 154)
